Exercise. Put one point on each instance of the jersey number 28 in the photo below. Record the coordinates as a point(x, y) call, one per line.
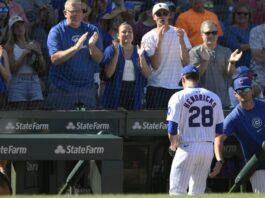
point(205, 113)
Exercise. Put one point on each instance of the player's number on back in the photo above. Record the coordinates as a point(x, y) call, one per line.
point(205, 113)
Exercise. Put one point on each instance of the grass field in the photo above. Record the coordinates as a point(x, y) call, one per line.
point(219, 195)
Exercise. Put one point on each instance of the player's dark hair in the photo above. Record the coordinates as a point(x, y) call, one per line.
point(192, 76)
point(5, 182)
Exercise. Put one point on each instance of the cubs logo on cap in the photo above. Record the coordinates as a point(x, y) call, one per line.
point(242, 82)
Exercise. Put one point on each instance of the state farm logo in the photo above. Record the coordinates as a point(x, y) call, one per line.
point(87, 126)
point(149, 126)
point(137, 126)
point(73, 149)
point(26, 126)
point(59, 150)
point(11, 149)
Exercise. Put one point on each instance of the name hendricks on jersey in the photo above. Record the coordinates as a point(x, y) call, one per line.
point(199, 97)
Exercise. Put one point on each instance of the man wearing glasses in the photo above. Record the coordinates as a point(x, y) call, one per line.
point(216, 63)
point(167, 48)
point(247, 123)
point(75, 53)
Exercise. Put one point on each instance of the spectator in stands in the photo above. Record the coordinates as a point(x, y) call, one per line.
point(257, 46)
point(4, 17)
point(216, 63)
point(110, 23)
point(58, 6)
point(172, 12)
point(145, 24)
point(192, 19)
point(125, 71)
point(5, 185)
point(5, 76)
point(75, 53)
point(167, 47)
point(16, 9)
point(258, 7)
point(237, 35)
point(26, 62)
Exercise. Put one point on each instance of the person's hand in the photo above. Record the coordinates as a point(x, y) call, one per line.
point(180, 33)
point(93, 39)
point(80, 42)
point(172, 151)
point(160, 32)
point(140, 50)
point(115, 43)
point(34, 46)
point(204, 54)
point(216, 170)
point(235, 56)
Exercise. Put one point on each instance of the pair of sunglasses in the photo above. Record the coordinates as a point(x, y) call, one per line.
point(244, 90)
point(214, 33)
point(162, 13)
point(242, 13)
point(4, 10)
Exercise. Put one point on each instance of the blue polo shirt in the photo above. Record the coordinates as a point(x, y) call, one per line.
point(78, 71)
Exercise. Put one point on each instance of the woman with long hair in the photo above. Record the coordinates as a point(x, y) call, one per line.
point(26, 62)
point(236, 36)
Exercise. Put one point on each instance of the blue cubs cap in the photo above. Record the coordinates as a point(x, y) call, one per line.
point(242, 82)
point(188, 69)
point(243, 71)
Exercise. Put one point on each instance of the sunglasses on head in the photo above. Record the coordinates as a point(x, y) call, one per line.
point(244, 90)
point(210, 32)
point(162, 13)
point(5, 9)
point(242, 13)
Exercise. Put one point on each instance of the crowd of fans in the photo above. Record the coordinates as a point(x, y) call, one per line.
point(112, 54)
point(107, 54)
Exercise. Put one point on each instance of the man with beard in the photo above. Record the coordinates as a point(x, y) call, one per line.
point(167, 48)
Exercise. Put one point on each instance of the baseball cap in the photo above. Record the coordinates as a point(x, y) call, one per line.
point(159, 6)
point(243, 71)
point(242, 82)
point(188, 69)
point(13, 20)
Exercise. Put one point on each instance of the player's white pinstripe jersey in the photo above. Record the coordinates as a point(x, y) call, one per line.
point(197, 111)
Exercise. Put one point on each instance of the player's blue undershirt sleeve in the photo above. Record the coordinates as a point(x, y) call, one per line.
point(219, 128)
point(172, 128)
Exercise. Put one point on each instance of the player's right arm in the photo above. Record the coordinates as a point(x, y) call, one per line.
point(172, 135)
point(173, 118)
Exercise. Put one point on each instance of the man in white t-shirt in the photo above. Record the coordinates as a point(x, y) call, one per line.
point(167, 47)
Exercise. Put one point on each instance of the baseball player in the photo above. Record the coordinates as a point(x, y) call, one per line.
point(247, 123)
point(195, 117)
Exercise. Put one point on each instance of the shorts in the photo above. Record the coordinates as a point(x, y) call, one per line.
point(25, 88)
